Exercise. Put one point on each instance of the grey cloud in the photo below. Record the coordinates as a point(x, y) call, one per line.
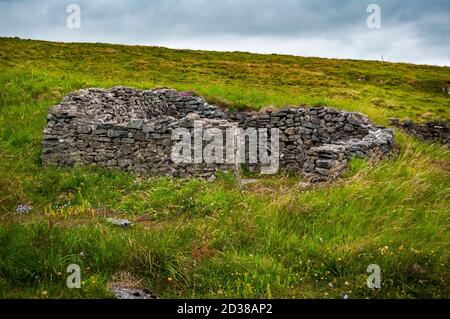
point(423, 27)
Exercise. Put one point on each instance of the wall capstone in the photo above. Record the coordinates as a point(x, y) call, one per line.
point(132, 130)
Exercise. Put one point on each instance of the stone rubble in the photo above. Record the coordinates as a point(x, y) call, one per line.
point(430, 131)
point(131, 129)
point(132, 293)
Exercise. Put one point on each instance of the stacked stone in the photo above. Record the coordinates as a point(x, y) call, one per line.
point(326, 161)
point(132, 130)
point(302, 130)
point(431, 131)
point(143, 146)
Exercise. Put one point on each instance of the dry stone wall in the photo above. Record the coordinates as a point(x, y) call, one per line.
point(430, 131)
point(132, 130)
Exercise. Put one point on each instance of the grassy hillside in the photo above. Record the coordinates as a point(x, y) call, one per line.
point(275, 238)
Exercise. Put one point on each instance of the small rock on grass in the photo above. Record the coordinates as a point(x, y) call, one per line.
point(119, 222)
point(23, 209)
point(129, 293)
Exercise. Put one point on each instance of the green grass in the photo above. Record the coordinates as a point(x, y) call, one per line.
point(196, 239)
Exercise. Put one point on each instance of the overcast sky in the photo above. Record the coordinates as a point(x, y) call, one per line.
point(416, 31)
